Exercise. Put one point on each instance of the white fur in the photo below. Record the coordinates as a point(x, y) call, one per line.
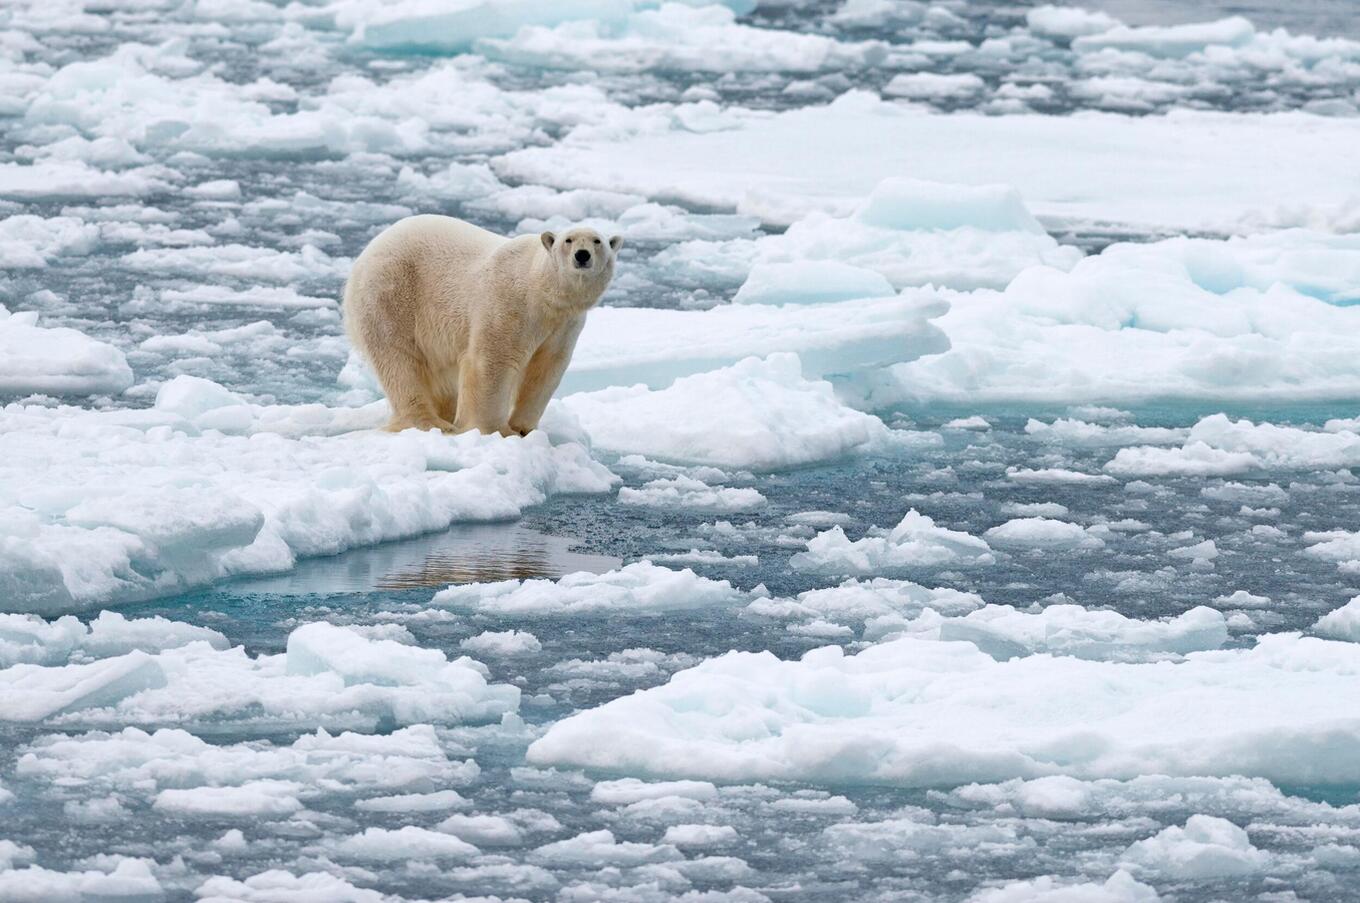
point(466, 329)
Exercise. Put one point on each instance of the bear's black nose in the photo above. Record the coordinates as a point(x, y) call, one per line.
point(582, 257)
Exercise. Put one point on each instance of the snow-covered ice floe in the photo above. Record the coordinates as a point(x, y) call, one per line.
point(914, 712)
point(136, 504)
point(1111, 168)
point(56, 360)
point(627, 346)
point(329, 675)
point(638, 588)
point(916, 541)
point(771, 417)
point(1263, 317)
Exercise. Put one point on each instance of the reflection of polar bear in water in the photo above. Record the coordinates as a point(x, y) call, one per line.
point(469, 330)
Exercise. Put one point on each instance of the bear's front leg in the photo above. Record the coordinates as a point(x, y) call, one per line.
point(486, 391)
point(541, 379)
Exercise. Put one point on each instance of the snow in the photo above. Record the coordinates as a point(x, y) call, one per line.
point(381, 845)
point(503, 643)
point(640, 588)
point(443, 27)
point(31, 639)
point(914, 232)
point(56, 360)
point(1042, 533)
point(1341, 624)
point(696, 495)
point(690, 836)
point(932, 86)
point(124, 879)
point(678, 37)
point(171, 501)
point(328, 674)
point(1261, 317)
point(1004, 632)
point(1068, 22)
point(810, 282)
point(1207, 847)
point(772, 418)
point(626, 346)
point(1111, 168)
point(1219, 446)
point(1120, 887)
point(922, 713)
point(915, 542)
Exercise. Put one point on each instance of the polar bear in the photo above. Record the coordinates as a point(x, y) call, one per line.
point(466, 329)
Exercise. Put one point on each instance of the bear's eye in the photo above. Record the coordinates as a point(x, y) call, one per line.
point(597, 241)
point(568, 241)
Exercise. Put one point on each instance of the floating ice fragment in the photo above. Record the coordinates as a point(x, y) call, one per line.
point(1042, 533)
point(1342, 623)
point(926, 713)
point(1207, 847)
point(56, 360)
point(639, 588)
point(915, 542)
point(696, 495)
point(772, 417)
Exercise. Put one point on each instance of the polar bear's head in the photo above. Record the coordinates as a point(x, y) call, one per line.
point(582, 255)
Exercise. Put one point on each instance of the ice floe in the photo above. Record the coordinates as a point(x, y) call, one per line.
point(824, 158)
point(913, 712)
point(915, 542)
point(328, 675)
point(56, 360)
point(639, 588)
point(772, 417)
point(211, 504)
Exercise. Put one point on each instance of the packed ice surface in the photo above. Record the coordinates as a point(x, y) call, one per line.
point(136, 504)
point(772, 417)
point(916, 541)
point(624, 346)
point(1266, 316)
point(56, 360)
point(911, 232)
point(1074, 286)
point(910, 712)
point(1220, 446)
point(1111, 169)
point(328, 675)
point(640, 588)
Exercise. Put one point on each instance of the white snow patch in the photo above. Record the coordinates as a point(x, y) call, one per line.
point(640, 588)
point(914, 542)
point(924, 713)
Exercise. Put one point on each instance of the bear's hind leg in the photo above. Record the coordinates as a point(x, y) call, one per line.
point(406, 382)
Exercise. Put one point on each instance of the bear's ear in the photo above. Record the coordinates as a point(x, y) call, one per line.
point(547, 238)
point(616, 242)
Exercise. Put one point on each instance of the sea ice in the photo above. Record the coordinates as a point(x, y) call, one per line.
point(1207, 847)
point(56, 360)
point(920, 713)
point(773, 417)
point(696, 495)
point(1005, 632)
point(626, 346)
point(914, 542)
point(1341, 624)
point(640, 588)
point(168, 504)
point(1257, 317)
point(1042, 533)
point(329, 674)
point(914, 233)
point(1111, 168)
